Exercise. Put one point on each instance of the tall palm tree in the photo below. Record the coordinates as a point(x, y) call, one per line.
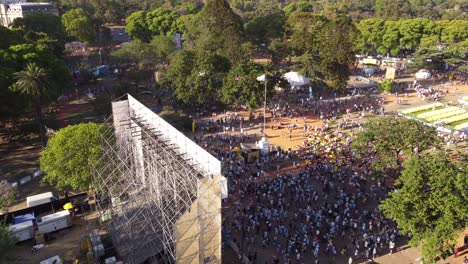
point(33, 82)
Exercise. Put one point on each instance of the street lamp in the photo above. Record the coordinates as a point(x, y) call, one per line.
point(263, 144)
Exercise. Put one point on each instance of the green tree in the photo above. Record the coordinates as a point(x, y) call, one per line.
point(280, 50)
point(413, 30)
point(389, 139)
point(304, 41)
point(11, 104)
point(219, 30)
point(241, 86)
point(47, 23)
point(454, 31)
point(154, 53)
point(386, 86)
point(182, 64)
point(136, 26)
point(70, 156)
point(17, 49)
point(43, 56)
point(249, 51)
point(301, 6)
point(191, 29)
point(336, 50)
point(372, 31)
point(430, 202)
point(33, 81)
point(7, 240)
point(162, 21)
point(197, 77)
point(304, 29)
point(79, 25)
point(393, 9)
point(431, 59)
point(161, 48)
point(266, 27)
point(133, 52)
point(7, 195)
point(425, 9)
point(391, 38)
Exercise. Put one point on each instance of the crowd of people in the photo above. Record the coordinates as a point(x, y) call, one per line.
point(328, 209)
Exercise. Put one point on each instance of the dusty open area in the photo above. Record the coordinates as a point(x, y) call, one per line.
point(62, 243)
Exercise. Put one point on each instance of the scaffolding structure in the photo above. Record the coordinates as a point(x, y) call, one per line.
point(158, 193)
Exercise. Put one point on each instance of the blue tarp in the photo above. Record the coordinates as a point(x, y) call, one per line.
point(24, 218)
point(101, 70)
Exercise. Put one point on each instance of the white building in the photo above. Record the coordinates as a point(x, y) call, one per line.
point(10, 11)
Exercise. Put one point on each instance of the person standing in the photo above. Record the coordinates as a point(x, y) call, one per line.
point(392, 245)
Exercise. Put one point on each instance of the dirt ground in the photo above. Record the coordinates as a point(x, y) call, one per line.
point(275, 135)
point(19, 159)
point(63, 242)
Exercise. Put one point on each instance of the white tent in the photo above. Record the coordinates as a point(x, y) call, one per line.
point(423, 74)
point(295, 79)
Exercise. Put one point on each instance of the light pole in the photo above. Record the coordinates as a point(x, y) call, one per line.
point(263, 143)
point(264, 107)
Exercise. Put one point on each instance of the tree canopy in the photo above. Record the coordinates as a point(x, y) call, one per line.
point(390, 139)
point(144, 26)
point(266, 26)
point(69, 156)
point(430, 202)
point(337, 50)
point(390, 36)
point(41, 22)
point(136, 25)
point(156, 52)
point(79, 25)
point(7, 240)
point(219, 30)
point(241, 86)
point(18, 48)
point(197, 76)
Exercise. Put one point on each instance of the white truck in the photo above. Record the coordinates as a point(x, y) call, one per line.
point(40, 199)
point(54, 222)
point(22, 231)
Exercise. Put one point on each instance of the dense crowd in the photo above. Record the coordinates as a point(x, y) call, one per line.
point(326, 209)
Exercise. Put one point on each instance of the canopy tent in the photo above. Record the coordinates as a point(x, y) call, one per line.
point(423, 74)
point(296, 79)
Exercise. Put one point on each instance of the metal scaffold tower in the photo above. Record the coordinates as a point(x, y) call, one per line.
point(158, 193)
